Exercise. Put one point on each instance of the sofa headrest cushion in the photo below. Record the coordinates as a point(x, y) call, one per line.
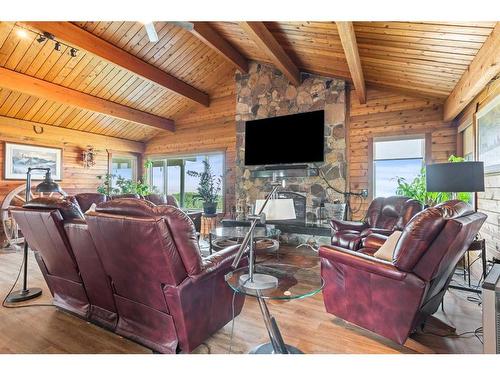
point(128, 207)
point(422, 230)
point(68, 209)
point(454, 208)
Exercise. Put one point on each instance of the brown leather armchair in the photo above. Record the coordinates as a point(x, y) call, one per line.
point(167, 297)
point(384, 216)
point(393, 298)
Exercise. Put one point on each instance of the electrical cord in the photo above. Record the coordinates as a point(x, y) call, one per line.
point(346, 194)
point(4, 302)
point(233, 318)
point(478, 332)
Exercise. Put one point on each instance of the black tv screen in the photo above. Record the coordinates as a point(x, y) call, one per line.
point(288, 139)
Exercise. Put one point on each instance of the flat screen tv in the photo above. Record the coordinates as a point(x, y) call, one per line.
point(288, 139)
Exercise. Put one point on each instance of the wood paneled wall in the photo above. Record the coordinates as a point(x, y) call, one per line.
point(489, 200)
point(76, 178)
point(205, 129)
point(388, 113)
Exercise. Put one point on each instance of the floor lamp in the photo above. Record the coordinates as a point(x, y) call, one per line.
point(467, 176)
point(46, 186)
point(273, 209)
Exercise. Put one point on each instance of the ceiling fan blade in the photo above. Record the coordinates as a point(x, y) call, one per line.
point(150, 29)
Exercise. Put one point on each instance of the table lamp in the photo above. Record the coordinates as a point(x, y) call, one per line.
point(270, 208)
point(48, 185)
point(467, 176)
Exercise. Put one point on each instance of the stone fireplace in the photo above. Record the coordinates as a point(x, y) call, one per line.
point(265, 92)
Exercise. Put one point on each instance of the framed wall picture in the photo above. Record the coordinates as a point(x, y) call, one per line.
point(19, 157)
point(488, 130)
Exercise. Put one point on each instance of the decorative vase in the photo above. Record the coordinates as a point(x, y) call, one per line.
point(209, 208)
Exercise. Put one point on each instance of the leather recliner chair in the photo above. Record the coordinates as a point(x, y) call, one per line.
point(78, 287)
point(167, 297)
point(393, 298)
point(85, 200)
point(162, 199)
point(384, 216)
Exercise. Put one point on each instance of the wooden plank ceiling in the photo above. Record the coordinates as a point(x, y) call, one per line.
point(178, 53)
point(423, 58)
point(418, 57)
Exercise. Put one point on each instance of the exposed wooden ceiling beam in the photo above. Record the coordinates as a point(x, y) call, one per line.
point(205, 32)
point(348, 40)
point(12, 80)
point(261, 36)
point(87, 41)
point(482, 69)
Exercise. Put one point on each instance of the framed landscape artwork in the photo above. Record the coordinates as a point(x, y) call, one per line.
point(19, 157)
point(488, 122)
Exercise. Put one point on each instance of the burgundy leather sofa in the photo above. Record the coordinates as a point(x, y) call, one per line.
point(393, 298)
point(384, 216)
point(167, 297)
point(137, 272)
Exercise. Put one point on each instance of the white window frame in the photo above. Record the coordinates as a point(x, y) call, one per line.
point(373, 161)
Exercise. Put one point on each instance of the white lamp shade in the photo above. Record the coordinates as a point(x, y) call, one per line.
point(277, 209)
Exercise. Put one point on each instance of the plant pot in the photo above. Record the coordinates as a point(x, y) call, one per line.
point(209, 208)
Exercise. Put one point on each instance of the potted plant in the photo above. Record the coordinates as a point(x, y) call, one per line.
point(208, 189)
point(416, 189)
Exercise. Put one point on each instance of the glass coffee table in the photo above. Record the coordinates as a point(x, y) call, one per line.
point(238, 233)
point(294, 282)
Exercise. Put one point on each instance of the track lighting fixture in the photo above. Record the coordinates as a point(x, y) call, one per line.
point(45, 36)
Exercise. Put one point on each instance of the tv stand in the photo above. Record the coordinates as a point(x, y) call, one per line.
point(282, 167)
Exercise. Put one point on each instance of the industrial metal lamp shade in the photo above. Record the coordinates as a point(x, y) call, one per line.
point(466, 177)
point(48, 185)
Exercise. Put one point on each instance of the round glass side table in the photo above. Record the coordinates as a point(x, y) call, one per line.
point(294, 282)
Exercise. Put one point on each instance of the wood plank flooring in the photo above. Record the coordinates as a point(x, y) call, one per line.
point(304, 323)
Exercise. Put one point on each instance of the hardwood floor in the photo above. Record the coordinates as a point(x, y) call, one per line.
point(304, 323)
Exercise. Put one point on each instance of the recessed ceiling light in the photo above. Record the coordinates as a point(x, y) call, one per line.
point(22, 33)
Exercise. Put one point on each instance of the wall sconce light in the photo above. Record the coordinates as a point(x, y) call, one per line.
point(89, 157)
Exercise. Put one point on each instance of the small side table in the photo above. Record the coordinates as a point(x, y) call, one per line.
point(294, 283)
point(208, 222)
point(476, 245)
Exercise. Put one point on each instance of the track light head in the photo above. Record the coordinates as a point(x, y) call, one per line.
point(73, 52)
point(41, 39)
point(57, 46)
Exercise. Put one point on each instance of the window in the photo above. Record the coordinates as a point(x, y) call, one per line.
point(468, 143)
point(395, 158)
point(170, 176)
point(125, 166)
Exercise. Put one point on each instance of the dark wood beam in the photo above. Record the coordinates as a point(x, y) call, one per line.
point(482, 69)
point(348, 40)
point(205, 32)
point(15, 81)
point(78, 37)
point(261, 36)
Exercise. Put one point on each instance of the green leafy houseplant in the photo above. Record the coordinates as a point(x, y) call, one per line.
point(416, 189)
point(208, 189)
point(123, 186)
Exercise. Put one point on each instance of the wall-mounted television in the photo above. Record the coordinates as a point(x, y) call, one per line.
point(292, 139)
